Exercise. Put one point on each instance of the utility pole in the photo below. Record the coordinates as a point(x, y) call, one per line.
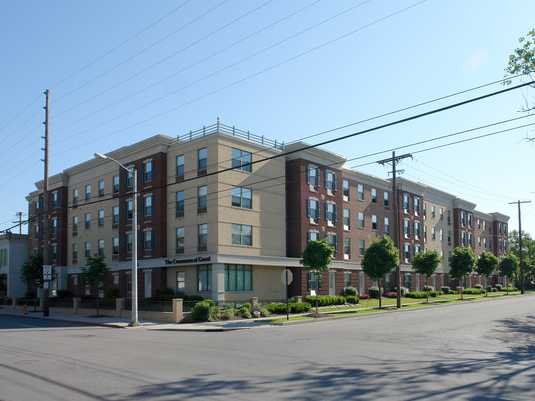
point(520, 251)
point(394, 160)
point(44, 295)
point(19, 222)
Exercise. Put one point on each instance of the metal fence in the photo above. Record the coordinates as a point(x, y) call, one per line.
point(220, 128)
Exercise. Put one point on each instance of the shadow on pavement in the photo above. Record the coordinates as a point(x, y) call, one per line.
point(473, 375)
point(12, 322)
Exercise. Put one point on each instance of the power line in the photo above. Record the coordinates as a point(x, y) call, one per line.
point(260, 72)
point(145, 49)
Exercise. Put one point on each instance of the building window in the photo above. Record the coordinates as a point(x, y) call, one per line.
point(129, 243)
point(55, 199)
point(115, 246)
point(433, 210)
point(75, 224)
point(75, 196)
point(202, 237)
point(405, 202)
point(129, 209)
point(417, 229)
point(374, 195)
point(179, 240)
point(347, 248)
point(375, 224)
point(360, 192)
point(241, 160)
point(360, 220)
point(313, 176)
point(406, 228)
point(433, 233)
point(387, 225)
point(148, 240)
point(180, 204)
point(345, 189)
point(362, 247)
point(202, 199)
point(115, 278)
point(88, 192)
point(101, 187)
point(330, 214)
point(407, 252)
point(440, 234)
point(100, 217)
point(204, 278)
point(407, 280)
point(347, 279)
point(313, 210)
point(147, 205)
point(147, 171)
point(238, 278)
point(346, 219)
point(87, 220)
point(312, 281)
point(332, 240)
point(386, 199)
point(180, 167)
point(202, 161)
point(242, 197)
point(54, 223)
point(115, 213)
point(180, 281)
point(87, 249)
point(417, 249)
point(417, 206)
point(116, 184)
point(74, 253)
point(330, 182)
point(242, 234)
point(100, 247)
point(313, 235)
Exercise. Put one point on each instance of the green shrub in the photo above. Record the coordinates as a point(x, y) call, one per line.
point(421, 294)
point(205, 311)
point(373, 292)
point(499, 287)
point(473, 291)
point(280, 309)
point(479, 286)
point(227, 314)
point(326, 300)
point(264, 312)
point(352, 299)
point(494, 290)
point(489, 288)
point(245, 312)
point(350, 291)
point(445, 289)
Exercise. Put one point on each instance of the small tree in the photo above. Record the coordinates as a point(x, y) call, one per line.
point(462, 262)
point(426, 263)
point(509, 267)
point(317, 257)
point(93, 274)
point(486, 264)
point(32, 273)
point(380, 258)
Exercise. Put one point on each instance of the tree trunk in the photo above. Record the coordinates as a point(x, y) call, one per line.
point(317, 292)
point(380, 300)
point(98, 305)
point(505, 279)
point(462, 289)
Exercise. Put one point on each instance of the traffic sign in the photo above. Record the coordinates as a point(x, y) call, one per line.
point(287, 275)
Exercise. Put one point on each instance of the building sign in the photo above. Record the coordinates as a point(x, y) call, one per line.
point(197, 259)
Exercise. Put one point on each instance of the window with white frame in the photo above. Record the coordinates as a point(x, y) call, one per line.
point(179, 161)
point(115, 214)
point(75, 196)
point(129, 209)
point(360, 192)
point(417, 230)
point(88, 192)
point(180, 281)
point(332, 240)
point(374, 195)
point(242, 197)
point(407, 252)
point(115, 246)
point(386, 199)
point(147, 171)
point(360, 220)
point(406, 228)
point(75, 224)
point(387, 225)
point(416, 205)
point(116, 183)
point(313, 210)
point(346, 218)
point(241, 160)
point(347, 248)
point(313, 235)
point(100, 217)
point(87, 220)
point(313, 176)
point(148, 240)
point(242, 234)
point(362, 247)
point(202, 161)
point(345, 189)
point(330, 214)
point(100, 247)
point(87, 249)
point(375, 224)
point(147, 205)
point(179, 240)
point(405, 202)
point(330, 181)
point(101, 187)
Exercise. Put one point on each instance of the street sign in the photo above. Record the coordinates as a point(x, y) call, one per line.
point(290, 276)
point(47, 272)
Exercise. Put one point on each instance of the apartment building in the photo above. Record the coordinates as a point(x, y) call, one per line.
point(229, 236)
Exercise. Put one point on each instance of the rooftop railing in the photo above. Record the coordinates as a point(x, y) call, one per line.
point(220, 128)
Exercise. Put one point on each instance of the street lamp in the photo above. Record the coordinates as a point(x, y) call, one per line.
point(135, 319)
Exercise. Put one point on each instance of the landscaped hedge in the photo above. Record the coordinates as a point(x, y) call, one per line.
point(445, 289)
point(352, 299)
point(421, 294)
point(473, 291)
point(205, 311)
point(373, 292)
point(280, 308)
point(326, 300)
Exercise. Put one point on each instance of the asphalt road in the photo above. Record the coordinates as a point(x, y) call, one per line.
point(477, 352)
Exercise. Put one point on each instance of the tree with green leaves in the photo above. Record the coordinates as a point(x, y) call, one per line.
point(426, 263)
point(94, 274)
point(528, 254)
point(462, 263)
point(509, 267)
point(522, 61)
point(316, 258)
point(380, 258)
point(31, 273)
point(486, 265)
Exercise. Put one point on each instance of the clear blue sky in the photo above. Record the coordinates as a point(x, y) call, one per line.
point(431, 50)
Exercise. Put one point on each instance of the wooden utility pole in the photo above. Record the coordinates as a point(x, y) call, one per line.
point(19, 215)
point(45, 203)
point(394, 160)
point(520, 250)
